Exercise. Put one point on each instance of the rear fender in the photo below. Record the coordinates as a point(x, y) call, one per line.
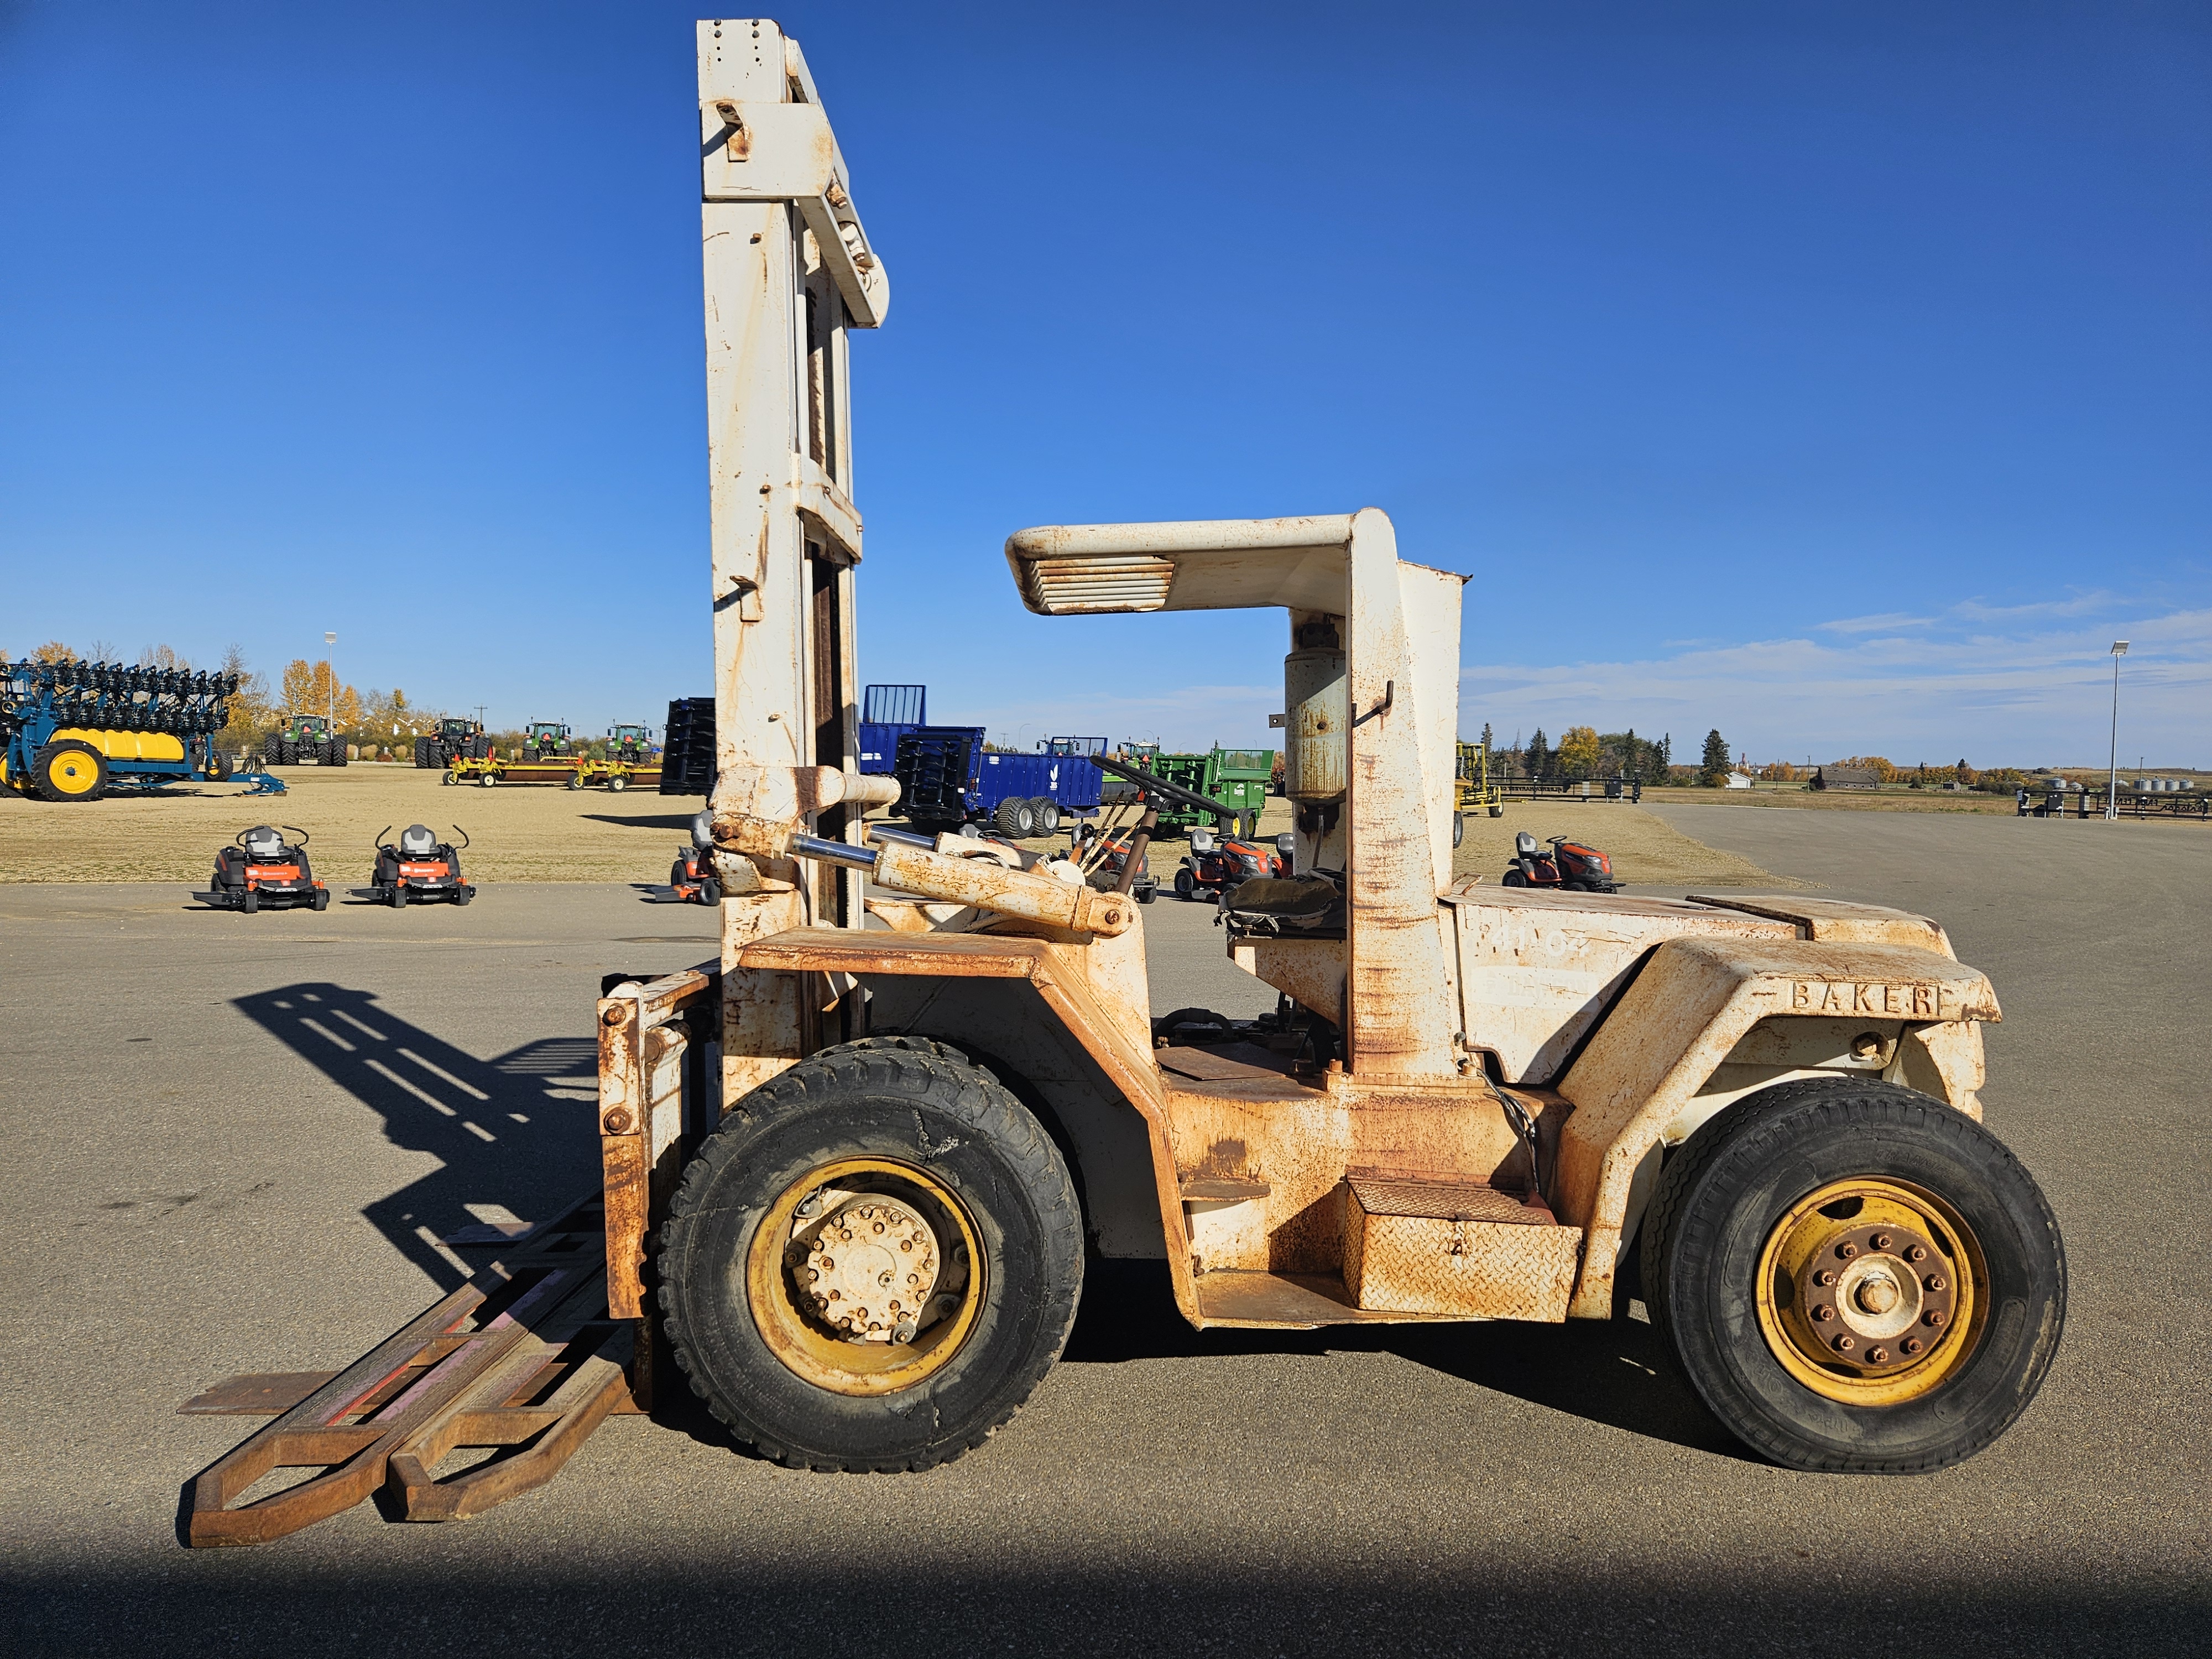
point(1710, 1020)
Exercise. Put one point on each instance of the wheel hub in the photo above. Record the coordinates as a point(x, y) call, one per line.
point(1868, 1292)
point(1878, 1296)
point(870, 1270)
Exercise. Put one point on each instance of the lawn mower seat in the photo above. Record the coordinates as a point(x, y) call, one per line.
point(416, 841)
point(263, 845)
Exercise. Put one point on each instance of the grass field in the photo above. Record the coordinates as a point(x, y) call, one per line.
point(532, 833)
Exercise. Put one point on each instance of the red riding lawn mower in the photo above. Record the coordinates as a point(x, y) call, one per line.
point(420, 866)
point(260, 867)
point(691, 878)
point(1569, 866)
point(1106, 871)
point(1216, 863)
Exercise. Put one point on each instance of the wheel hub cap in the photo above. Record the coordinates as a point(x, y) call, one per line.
point(870, 1270)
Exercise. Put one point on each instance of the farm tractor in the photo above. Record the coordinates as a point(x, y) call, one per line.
point(852, 1169)
point(303, 740)
point(631, 745)
point(545, 740)
point(454, 739)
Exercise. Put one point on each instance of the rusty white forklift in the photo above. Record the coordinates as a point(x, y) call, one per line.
point(853, 1171)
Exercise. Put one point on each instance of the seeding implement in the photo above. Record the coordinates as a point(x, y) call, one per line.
point(852, 1173)
point(73, 731)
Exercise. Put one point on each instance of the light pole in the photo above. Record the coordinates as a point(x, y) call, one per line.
point(330, 714)
point(2112, 778)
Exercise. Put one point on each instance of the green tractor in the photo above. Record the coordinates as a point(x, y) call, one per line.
point(546, 740)
point(631, 744)
point(303, 740)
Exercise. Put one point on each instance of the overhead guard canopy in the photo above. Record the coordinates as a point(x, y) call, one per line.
point(1197, 564)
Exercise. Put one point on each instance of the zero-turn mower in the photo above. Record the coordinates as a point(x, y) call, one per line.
point(260, 867)
point(419, 867)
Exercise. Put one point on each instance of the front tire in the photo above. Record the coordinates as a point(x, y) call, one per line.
point(1853, 1277)
point(946, 1160)
point(69, 769)
point(1014, 820)
point(1185, 883)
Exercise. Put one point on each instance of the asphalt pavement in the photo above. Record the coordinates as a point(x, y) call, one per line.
point(215, 1167)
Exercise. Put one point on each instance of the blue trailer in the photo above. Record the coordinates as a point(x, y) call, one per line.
point(74, 731)
point(887, 713)
point(947, 778)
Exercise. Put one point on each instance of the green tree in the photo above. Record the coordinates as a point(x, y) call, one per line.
point(1539, 759)
point(1713, 771)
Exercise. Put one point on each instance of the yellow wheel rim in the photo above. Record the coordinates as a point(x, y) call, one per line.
point(1872, 1291)
point(73, 773)
point(882, 1204)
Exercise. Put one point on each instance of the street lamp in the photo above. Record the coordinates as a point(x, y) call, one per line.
point(2112, 778)
point(330, 714)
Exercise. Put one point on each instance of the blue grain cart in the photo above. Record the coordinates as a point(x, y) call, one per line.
point(947, 778)
point(887, 713)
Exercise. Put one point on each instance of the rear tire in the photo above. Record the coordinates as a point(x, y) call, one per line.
point(1014, 820)
point(1734, 1211)
point(490, 779)
point(1185, 883)
point(1459, 828)
point(1044, 816)
point(938, 1139)
point(710, 892)
point(422, 756)
point(1513, 879)
point(576, 780)
point(335, 755)
point(616, 783)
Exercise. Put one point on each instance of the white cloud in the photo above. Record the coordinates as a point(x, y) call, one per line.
point(2022, 695)
point(1873, 624)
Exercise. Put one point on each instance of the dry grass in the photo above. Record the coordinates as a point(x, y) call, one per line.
point(522, 833)
point(528, 832)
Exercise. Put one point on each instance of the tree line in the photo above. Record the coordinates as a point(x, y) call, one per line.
point(1584, 754)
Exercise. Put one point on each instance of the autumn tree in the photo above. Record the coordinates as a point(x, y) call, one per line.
point(1578, 751)
point(53, 651)
point(1713, 770)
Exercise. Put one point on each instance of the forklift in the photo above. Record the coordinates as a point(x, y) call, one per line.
point(853, 1169)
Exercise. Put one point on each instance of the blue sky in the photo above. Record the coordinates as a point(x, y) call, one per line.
point(1833, 375)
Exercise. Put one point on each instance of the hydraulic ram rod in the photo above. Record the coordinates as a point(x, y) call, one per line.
point(984, 883)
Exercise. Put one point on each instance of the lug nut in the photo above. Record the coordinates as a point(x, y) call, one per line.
point(1879, 1356)
point(827, 1264)
point(1934, 1281)
point(1881, 1241)
point(1847, 1250)
point(1917, 1252)
point(1824, 1312)
point(1933, 1317)
point(1911, 1344)
point(1845, 1344)
point(1824, 1277)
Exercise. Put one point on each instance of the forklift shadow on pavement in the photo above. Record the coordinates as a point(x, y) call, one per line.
point(514, 1132)
point(1610, 1372)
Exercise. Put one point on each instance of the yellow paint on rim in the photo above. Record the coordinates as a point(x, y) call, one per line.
point(807, 1347)
point(1805, 1232)
point(73, 772)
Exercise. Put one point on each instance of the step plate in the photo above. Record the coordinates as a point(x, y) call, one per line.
point(1465, 1251)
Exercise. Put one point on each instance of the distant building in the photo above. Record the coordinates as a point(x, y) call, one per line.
point(1737, 781)
point(1845, 777)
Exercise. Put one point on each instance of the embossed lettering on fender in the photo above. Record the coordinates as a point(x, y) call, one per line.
point(1935, 1002)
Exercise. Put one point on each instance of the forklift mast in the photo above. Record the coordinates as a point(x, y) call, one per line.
point(789, 271)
